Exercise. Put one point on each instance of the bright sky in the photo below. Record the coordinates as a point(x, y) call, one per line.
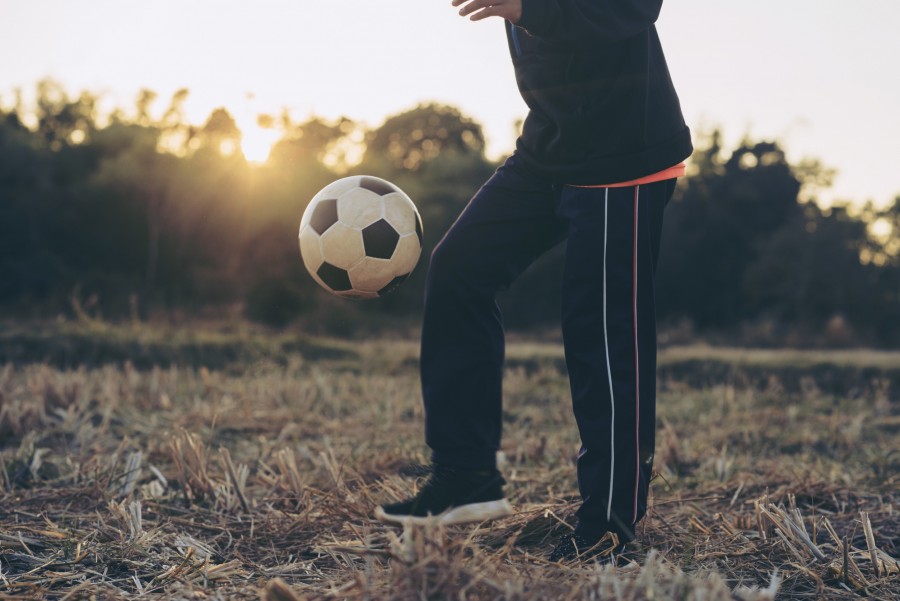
point(820, 75)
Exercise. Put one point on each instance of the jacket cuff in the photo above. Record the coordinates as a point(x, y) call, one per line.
point(536, 17)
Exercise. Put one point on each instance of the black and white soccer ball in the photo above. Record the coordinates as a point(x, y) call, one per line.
point(360, 237)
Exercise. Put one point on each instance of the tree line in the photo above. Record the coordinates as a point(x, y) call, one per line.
point(139, 213)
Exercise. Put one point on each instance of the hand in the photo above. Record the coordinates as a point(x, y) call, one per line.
point(511, 10)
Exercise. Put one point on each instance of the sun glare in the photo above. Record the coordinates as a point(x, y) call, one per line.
point(257, 143)
point(881, 229)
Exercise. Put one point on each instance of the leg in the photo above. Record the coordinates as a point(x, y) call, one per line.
point(506, 226)
point(609, 331)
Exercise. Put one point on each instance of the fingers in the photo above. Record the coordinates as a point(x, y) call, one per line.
point(471, 6)
point(483, 8)
point(490, 11)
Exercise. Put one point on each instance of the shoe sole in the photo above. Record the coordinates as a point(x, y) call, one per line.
point(464, 514)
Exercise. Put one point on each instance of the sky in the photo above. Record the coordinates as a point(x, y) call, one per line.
point(818, 75)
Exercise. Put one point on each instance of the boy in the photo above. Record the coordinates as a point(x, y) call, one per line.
point(595, 165)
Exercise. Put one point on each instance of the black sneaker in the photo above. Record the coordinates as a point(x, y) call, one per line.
point(451, 496)
point(579, 547)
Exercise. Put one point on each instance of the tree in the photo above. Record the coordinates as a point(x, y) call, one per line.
point(720, 219)
point(60, 120)
point(150, 202)
point(415, 137)
point(806, 275)
point(140, 172)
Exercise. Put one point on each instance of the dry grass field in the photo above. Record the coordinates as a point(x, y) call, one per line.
point(237, 466)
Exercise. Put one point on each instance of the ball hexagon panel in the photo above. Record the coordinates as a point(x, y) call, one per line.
point(359, 207)
point(370, 275)
point(334, 277)
point(324, 215)
point(342, 246)
point(310, 250)
point(406, 255)
point(400, 212)
point(380, 239)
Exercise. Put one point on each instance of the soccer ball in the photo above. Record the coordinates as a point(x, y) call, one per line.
point(360, 237)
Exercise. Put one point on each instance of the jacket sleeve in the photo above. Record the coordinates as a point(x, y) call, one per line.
point(587, 23)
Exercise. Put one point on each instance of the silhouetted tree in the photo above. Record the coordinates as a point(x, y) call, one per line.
point(716, 226)
point(149, 203)
point(415, 137)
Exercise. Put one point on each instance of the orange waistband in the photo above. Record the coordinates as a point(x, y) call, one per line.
point(671, 172)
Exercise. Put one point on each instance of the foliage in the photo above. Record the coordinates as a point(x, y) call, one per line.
point(145, 211)
point(739, 245)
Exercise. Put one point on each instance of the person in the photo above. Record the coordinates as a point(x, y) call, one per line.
point(595, 165)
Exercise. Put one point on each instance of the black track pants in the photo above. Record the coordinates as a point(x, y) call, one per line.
point(608, 321)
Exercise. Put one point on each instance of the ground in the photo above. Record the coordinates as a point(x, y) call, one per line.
point(237, 464)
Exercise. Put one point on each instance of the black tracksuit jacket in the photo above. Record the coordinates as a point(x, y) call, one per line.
point(602, 105)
